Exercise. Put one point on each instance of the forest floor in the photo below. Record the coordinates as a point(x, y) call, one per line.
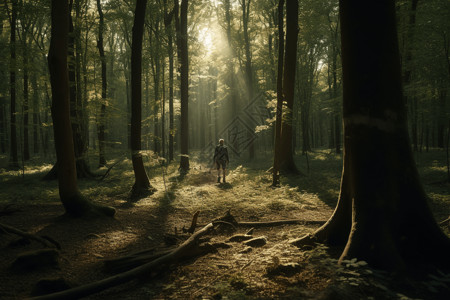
point(275, 270)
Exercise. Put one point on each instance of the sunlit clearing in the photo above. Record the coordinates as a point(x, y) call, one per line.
point(213, 40)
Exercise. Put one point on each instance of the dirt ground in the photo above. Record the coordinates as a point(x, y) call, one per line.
point(276, 270)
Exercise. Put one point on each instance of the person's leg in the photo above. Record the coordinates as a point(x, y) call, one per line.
point(224, 174)
point(218, 171)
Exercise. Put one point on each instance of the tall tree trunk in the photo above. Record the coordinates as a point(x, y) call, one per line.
point(141, 185)
point(36, 105)
point(183, 58)
point(73, 201)
point(168, 25)
point(26, 93)
point(279, 112)
point(14, 160)
point(3, 134)
point(80, 144)
point(248, 63)
point(102, 116)
point(392, 226)
point(287, 163)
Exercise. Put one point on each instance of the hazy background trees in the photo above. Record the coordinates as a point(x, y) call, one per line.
point(233, 54)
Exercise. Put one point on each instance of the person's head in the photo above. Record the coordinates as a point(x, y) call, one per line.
point(221, 141)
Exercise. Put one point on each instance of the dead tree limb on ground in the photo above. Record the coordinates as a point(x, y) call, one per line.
point(280, 222)
point(187, 249)
point(230, 219)
point(44, 240)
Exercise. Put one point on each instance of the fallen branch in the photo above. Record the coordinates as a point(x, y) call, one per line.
point(280, 222)
point(446, 221)
point(46, 241)
point(189, 248)
point(109, 169)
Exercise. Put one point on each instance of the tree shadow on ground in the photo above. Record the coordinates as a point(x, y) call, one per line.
point(322, 179)
point(225, 186)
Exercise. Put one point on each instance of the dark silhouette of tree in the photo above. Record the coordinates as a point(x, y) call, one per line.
point(382, 215)
point(287, 163)
point(73, 201)
point(279, 111)
point(14, 159)
point(168, 17)
point(101, 120)
point(141, 185)
point(183, 59)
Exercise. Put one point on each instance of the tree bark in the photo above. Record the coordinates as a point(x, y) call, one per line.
point(279, 111)
point(167, 23)
point(287, 163)
point(26, 97)
point(79, 142)
point(392, 226)
point(183, 59)
point(14, 159)
point(102, 116)
point(74, 203)
point(141, 185)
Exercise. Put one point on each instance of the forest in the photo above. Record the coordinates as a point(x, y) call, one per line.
point(224, 149)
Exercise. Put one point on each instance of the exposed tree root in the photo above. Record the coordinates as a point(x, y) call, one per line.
point(46, 241)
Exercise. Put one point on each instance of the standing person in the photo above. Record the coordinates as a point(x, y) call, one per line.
point(221, 159)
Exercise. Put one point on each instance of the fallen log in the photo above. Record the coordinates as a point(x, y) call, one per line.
point(187, 249)
point(44, 240)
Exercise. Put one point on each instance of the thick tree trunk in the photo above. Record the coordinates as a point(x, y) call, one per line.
point(102, 116)
point(392, 225)
point(141, 185)
point(74, 203)
point(287, 163)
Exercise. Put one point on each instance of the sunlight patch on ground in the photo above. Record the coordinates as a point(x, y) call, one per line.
point(114, 240)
